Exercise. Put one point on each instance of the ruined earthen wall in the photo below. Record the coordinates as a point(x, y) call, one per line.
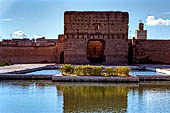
point(80, 27)
point(28, 54)
point(151, 51)
point(60, 47)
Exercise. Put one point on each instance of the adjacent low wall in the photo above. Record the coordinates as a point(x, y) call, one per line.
point(151, 51)
point(140, 51)
point(28, 54)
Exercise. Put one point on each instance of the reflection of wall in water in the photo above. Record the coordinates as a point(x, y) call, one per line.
point(94, 98)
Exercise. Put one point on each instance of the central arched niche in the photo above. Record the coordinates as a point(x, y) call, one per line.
point(95, 51)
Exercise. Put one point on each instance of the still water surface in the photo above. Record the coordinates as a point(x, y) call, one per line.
point(49, 97)
point(132, 72)
point(45, 72)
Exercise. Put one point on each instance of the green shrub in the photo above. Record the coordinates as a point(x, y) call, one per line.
point(67, 68)
point(114, 71)
point(96, 70)
point(123, 70)
point(78, 70)
point(84, 70)
point(109, 71)
point(4, 63)
point(89, 70)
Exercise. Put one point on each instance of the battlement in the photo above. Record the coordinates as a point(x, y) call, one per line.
point(96, 22)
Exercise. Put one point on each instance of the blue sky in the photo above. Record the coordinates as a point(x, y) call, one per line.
point(46, 17)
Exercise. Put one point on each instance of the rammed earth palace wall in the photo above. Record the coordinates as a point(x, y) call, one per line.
point(151, 51)
point(28, 54)
point(110, 27)
point(60, 48)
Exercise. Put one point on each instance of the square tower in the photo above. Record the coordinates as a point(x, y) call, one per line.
point(141, 33)
point(96, 37)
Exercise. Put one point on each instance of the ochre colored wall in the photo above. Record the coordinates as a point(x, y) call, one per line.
point(151, 51)
point(60, 47)
point(140, 51)
point(28, 54)
point(111, 27)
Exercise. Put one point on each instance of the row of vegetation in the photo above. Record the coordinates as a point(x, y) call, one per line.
point(4, 63)
point(89, 70)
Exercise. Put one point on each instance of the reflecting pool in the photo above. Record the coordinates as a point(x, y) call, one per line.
point(146, 73)
point(50, 97)
point(132, 72)
point(45, 72)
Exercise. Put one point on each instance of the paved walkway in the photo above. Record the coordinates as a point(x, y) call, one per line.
point(19, 67)
point(158, 68)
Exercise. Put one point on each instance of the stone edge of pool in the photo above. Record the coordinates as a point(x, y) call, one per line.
point(20, 75)
point(83, 78)
point(94, 79)
point(24, 77)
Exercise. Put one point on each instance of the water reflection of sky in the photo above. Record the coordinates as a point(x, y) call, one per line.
point(46, 72)
point(137, 72)
point(132, 72)
point(50, 97)
point(156, 100)
point(29, 98)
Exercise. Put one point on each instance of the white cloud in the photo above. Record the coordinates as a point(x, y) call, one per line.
point(6, 19)
point(21, 34)
point(152, 21)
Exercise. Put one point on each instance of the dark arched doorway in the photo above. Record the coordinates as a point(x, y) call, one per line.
point(95, 51)
point(62, 57)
